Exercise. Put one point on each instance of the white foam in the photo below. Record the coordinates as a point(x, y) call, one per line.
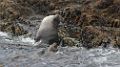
point(3, 34)
point(20, 39)
point(37, 43)
point(100, 59)
point(28, 40)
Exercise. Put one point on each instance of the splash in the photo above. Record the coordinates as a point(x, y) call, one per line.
point(7, 38)
point(26, 40)
point(4, 34)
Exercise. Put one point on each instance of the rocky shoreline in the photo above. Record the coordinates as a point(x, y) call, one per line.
point(88, 22)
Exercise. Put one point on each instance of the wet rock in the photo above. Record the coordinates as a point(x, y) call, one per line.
point(97, 21)
point(1, 65)
point(53, 48)
point(37, 5)
point(93, 37)
point(77, 15)
point(71, 14)
point(97, 36)
point(114, 9)
point(116, 42)
point(101, 4)
point(13, 28)
point(69, 35)
point(69, 41)
point(11, 11)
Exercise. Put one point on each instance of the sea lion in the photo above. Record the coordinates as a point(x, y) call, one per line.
point(48, 30)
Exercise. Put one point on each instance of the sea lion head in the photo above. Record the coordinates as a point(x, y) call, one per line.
point(56, 21)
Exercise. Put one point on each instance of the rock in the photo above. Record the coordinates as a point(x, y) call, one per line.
point(69, 35)
point(78, 15)
point(1, 65)
point(116, 42)
point(12, 10)
point(101, 4)
point(71, 14)
point(12, 27)
point(53, 47)
point(69, 41)
point(93, 37)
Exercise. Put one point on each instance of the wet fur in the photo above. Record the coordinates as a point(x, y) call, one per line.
point(48, 32)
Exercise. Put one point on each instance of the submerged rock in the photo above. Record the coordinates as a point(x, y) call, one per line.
point(53, 47)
